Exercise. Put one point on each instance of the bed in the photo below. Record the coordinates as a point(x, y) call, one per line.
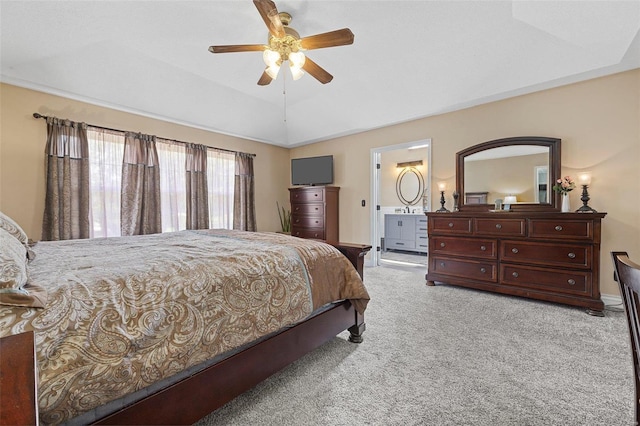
point(165, 328)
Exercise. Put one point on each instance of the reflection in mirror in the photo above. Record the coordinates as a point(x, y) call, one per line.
point(518, 169)
point(505, 172)
point(410, 186)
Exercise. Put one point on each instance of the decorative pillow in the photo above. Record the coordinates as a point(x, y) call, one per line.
point(14, 289)
point(13, 228)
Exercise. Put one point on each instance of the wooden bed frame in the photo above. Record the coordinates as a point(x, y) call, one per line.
point(192, 398)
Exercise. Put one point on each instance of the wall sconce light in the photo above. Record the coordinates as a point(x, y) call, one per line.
point(442, 186)
point(409, 164)
point(584, 179)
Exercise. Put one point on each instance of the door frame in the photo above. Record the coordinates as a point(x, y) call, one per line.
point(376, 154)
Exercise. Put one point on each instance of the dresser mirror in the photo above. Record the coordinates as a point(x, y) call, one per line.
point(410, 186)
point(517, 172)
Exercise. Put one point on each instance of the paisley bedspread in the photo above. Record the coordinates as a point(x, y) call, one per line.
point(124, 313)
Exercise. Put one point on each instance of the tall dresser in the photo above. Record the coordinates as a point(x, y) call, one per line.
point(548, 256)
point(314, 212)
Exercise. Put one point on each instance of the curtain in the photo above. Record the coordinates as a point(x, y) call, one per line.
point(244, 207)
point(173, 185)
point(67, 205)
point(106, 150)
point(220, 178)
point(197, 202)
point(140, 194)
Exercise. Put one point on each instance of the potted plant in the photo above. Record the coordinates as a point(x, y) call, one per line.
point(285, 219)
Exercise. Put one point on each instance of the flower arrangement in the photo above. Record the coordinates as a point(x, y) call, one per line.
point(564, 185)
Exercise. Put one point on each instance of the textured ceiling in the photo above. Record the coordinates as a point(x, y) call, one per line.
point(410, 59)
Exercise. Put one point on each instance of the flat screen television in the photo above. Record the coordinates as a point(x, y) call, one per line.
point(312, 170)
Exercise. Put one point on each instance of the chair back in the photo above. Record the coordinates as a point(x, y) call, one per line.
point(627, 273)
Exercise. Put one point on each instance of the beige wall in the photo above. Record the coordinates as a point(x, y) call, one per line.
point(599, 124)
point(22, 140)
point(389, 173)
point(597, 120)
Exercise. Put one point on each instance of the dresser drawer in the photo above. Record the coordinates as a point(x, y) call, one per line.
point(316, 209)
point(317, 234)
point(475, 270)
point(561, 229)
point(307, 221)
point(574, 282)
point(556, 254)
point(399, 244)
point(448, 225)
point(309, 194)
point(501, 227)
point(467, 247)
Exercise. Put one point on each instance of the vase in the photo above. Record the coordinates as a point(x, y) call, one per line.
point(566, 204)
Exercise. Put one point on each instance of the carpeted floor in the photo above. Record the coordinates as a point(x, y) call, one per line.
point(451, 356)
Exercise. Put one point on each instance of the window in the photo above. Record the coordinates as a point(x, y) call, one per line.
point(106, 150)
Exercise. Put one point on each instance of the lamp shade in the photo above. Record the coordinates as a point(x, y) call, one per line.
point(584, 178)
point(272, 71)
point(442, 186)
point(510, 199)
point(297, 59)
point(270, 57)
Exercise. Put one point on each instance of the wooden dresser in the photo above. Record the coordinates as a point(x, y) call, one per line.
point(314, 212)
point(548, 256)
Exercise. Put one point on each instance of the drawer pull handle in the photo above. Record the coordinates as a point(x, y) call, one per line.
point(498, 226)
point(297, 208)
point(571, 281)
point(442, 264)
point(315, 195)
point(572, 255)
point(450, 224)
point(442, 244)
point(483, 248)
point(399, 244)
point(483, 270)
point(558, 228)
point(514, 250)
point(297, 220)
point(515, 275)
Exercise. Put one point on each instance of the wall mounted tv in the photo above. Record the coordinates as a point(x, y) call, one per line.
point(312, 170)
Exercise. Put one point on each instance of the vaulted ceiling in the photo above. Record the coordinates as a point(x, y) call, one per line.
point(410, 59)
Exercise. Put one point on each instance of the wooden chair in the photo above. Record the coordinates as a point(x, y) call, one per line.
point(627, 273)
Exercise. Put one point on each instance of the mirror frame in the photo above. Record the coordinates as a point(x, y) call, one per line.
point(554, 172)
point(399, 193)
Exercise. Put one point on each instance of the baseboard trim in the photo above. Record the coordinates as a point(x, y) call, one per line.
point(611, 300)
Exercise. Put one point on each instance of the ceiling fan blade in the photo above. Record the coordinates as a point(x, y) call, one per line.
point(317, 71)
point(330, 39)
point(264, 79)
point(237, 48)
point(270, 16)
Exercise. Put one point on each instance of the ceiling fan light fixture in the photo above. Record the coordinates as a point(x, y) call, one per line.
point(296, 59)
point(296, 72)
point(270, 58)
point(272, 71)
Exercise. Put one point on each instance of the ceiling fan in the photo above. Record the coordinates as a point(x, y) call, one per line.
point(284, 44)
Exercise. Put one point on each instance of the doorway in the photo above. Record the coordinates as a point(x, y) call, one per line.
point(400, 194)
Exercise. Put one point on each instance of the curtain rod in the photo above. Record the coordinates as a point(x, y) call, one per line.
point(38, 115)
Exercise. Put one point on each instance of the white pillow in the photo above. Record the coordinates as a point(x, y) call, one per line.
point(13, 263)
point(13, 228)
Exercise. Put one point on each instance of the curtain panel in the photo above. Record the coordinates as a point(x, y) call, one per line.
point(244, 207)
point(140, 193)
point(67, 203)
point(197, 191)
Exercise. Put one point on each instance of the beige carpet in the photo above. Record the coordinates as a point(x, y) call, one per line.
point(451, 356)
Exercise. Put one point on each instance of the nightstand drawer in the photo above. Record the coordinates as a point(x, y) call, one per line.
point(484, 271)
point(449, 225)
point(576, 282)
point(561, 229)
point(559, 255)
point(467, 247)
point(501, 226)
